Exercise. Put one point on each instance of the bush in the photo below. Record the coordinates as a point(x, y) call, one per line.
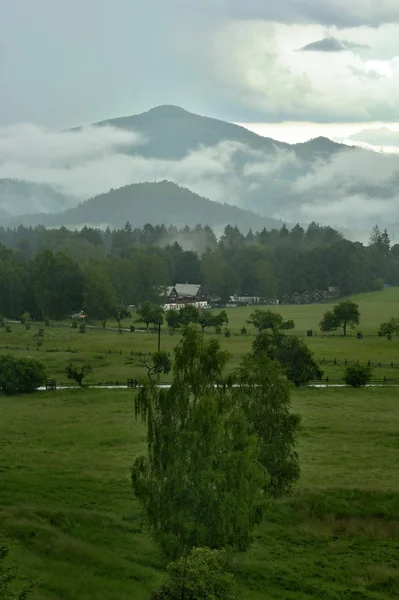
point(25, 318)
point(218, 329)
point(244, 330)
point(8, 329)
point(47, 322)
point(82, 328)
point(227, 332)
point(20, 375)
point(27, 326)
point(357, 375)
point(204, 573)
point(2, 321)
point(74, 324)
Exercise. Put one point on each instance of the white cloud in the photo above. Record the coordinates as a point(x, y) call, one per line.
point(259, 66)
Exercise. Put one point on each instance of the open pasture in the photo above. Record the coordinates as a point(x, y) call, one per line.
point(113, 355)
point(66, 500)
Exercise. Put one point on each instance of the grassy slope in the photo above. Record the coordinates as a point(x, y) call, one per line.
point(65, 495)
point(95, 345)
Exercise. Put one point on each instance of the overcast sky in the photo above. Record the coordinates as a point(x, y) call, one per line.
point(321, 61)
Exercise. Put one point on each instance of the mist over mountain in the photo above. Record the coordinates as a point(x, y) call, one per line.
point(319, 180)
point(156, 203)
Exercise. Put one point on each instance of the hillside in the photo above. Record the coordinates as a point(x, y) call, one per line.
point(155, 203)
point(172, 132)
point(19, 197)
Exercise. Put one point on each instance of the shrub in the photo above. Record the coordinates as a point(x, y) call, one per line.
point(227, 332)
point(8, 329)
point(218, 329)
point(132, 328)
point(357, 375)
point(2, 321)
point(47, 322)
point(82, 328)
point(27, 326)
point(74, 324)
point(243, 330)
point(20, 375)
point(25, 318)
point(203, 573)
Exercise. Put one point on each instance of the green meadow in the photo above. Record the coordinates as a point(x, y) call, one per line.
point(112, 355)
point(67, 507)
point(66, 504)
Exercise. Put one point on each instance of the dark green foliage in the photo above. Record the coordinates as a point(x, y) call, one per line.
point(100, 300)
point(342, 315)
point(357, 375)
point(294, 355)
point(150, 314)
point(156, 363)
point(82, 328)
point(7, 577)
point(20, 375)
point(389, 327)
point(264, 393)
point(267, 319)
point(74, 324)
point(203, 574)
point(77, 372)
point(172, 319)
point(121, 314)
point(201, 483)
point(189, 314)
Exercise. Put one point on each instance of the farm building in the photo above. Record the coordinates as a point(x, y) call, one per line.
point(183, 293)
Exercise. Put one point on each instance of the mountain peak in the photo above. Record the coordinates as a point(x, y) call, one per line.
point(167, 110)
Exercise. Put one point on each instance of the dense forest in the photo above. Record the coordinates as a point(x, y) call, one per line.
point(50, 273)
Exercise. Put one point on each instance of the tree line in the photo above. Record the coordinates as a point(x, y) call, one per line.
point(54, 272)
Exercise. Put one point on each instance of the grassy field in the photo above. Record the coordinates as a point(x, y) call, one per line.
point(109, 352)
point(65, 497)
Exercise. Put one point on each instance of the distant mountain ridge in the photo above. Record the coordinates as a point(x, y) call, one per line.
point(155, 203)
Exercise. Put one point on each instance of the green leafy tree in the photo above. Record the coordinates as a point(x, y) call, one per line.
point(172, 319)
point(389, 327)
point(220, 319)
point(20, 375)
point(156, 363)
point(267, 319)
point(58, 284)
point(121, 314)
point(206, 319)
point(100, 300)
point(189, 314)
point(200, 482)
point(292, 352)
point(77, 372)
point(357, 375)
point(150, 313)
point(342, 315)
point(201, 574)
point(264, 393)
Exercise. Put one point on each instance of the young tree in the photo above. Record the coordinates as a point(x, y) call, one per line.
point(156, 363)
point(267, 319)
point(189, 314)
point(20, 375)
point(172, 319)
point(294, 355)
point(389, 327)
point(121, 314)
point(200, 574)
point(357, 375)
point(99, 297)
point(77, 372)
point(200, 482)
point(343, 314)
point(150, 313)
point(206, 319)
point(264, 393)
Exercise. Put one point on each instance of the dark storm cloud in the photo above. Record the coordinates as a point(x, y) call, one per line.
point(332, 44)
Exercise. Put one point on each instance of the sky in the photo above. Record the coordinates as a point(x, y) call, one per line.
point(291, 70)
point(283, 64)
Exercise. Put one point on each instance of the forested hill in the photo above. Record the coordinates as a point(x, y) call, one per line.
point(156, 203)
